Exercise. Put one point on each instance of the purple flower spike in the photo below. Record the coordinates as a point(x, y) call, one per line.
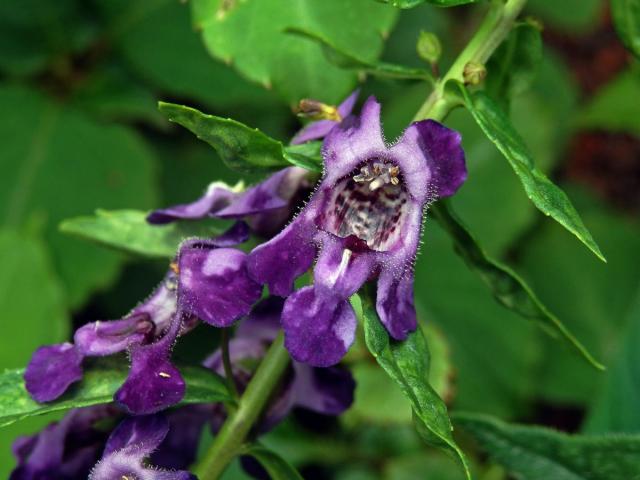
point(214, 284)
point(51, 370)
point(154, 383)
point(217, 196)
point(266, 206)
point(107, 338)
point(365, 221)
point(321, 128)
point(128, 446)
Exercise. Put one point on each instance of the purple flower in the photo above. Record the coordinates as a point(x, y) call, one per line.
point(129, 445)
point(214, 284)
point(64, 450)
point(266, 206)
point(365, 221)
point(321, 128)
point(327, 391)
point(147, 333)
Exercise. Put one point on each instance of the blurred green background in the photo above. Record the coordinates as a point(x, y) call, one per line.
point(79, 130)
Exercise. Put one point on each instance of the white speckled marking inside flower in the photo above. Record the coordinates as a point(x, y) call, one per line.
point(371, 204)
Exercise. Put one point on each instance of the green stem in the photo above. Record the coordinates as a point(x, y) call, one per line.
point(226, 363)
point(492, 31)
point(229, 440)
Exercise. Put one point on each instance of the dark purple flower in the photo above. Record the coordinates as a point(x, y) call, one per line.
point(65, 450)
point(129, 445)
point(321, 128)
point(365, 221)
point(266, 206)
point(327, 391)
point(214, 284)
point(147, 333)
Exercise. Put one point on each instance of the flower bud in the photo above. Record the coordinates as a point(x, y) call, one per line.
point(474, 73)
point(428, 47)
point(316, 110)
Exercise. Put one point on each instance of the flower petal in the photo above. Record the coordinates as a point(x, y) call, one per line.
point(318, 330)
point(214, 284)
point(129, 444)
point(154, 383)
point(217, 196)
point(352, 142)
point(106, 338)
point(313, 131)
point(51, 370)
point(286, 256)
point(346, 107)
point(442, 150)
point(263, 322)
point(264, 196)
point(394, 303)
point(324, 390)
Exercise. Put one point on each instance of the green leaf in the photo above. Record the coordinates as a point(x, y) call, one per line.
point(508, 288)
point(293, 67)
point(535, 453)
point(407, 363)
point(572, 16)
point(415, 3)
point(27, 274)
point(153, 36)
point(128, 231)
point(305, 155)
point(626, 20)
point(276, 466)
point(345, 60)
point(58, 163)
point(616, 409)
point(99, 383)
point(513, 67)
point(549, 199)
point(240, 147)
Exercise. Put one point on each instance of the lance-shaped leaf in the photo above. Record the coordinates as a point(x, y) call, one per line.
point(343, 59)
point(99, 383)
point(129, 231)
point(626, 20)
point(276, 466)
point(240, 147)
point(508, 288)
point(415, 3)
point(407, 363)
point(535, 453)
point(546, 196)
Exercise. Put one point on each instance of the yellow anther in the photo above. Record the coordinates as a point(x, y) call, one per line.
point(316, 110)
point(174, 267)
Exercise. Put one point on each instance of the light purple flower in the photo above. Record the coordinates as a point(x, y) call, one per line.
point(364, 221)
point(214, 284)
point(266, 206)
point(321, 128)
point(147, 333)
point(129, 445)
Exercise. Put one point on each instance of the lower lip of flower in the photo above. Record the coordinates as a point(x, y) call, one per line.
point(370, 204)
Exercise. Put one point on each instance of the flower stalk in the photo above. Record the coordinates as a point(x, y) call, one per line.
point(492, 31)
point(229, 441)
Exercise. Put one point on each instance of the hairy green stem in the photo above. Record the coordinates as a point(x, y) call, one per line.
point(492, 31)
point(231, 437)
point(228, 443)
